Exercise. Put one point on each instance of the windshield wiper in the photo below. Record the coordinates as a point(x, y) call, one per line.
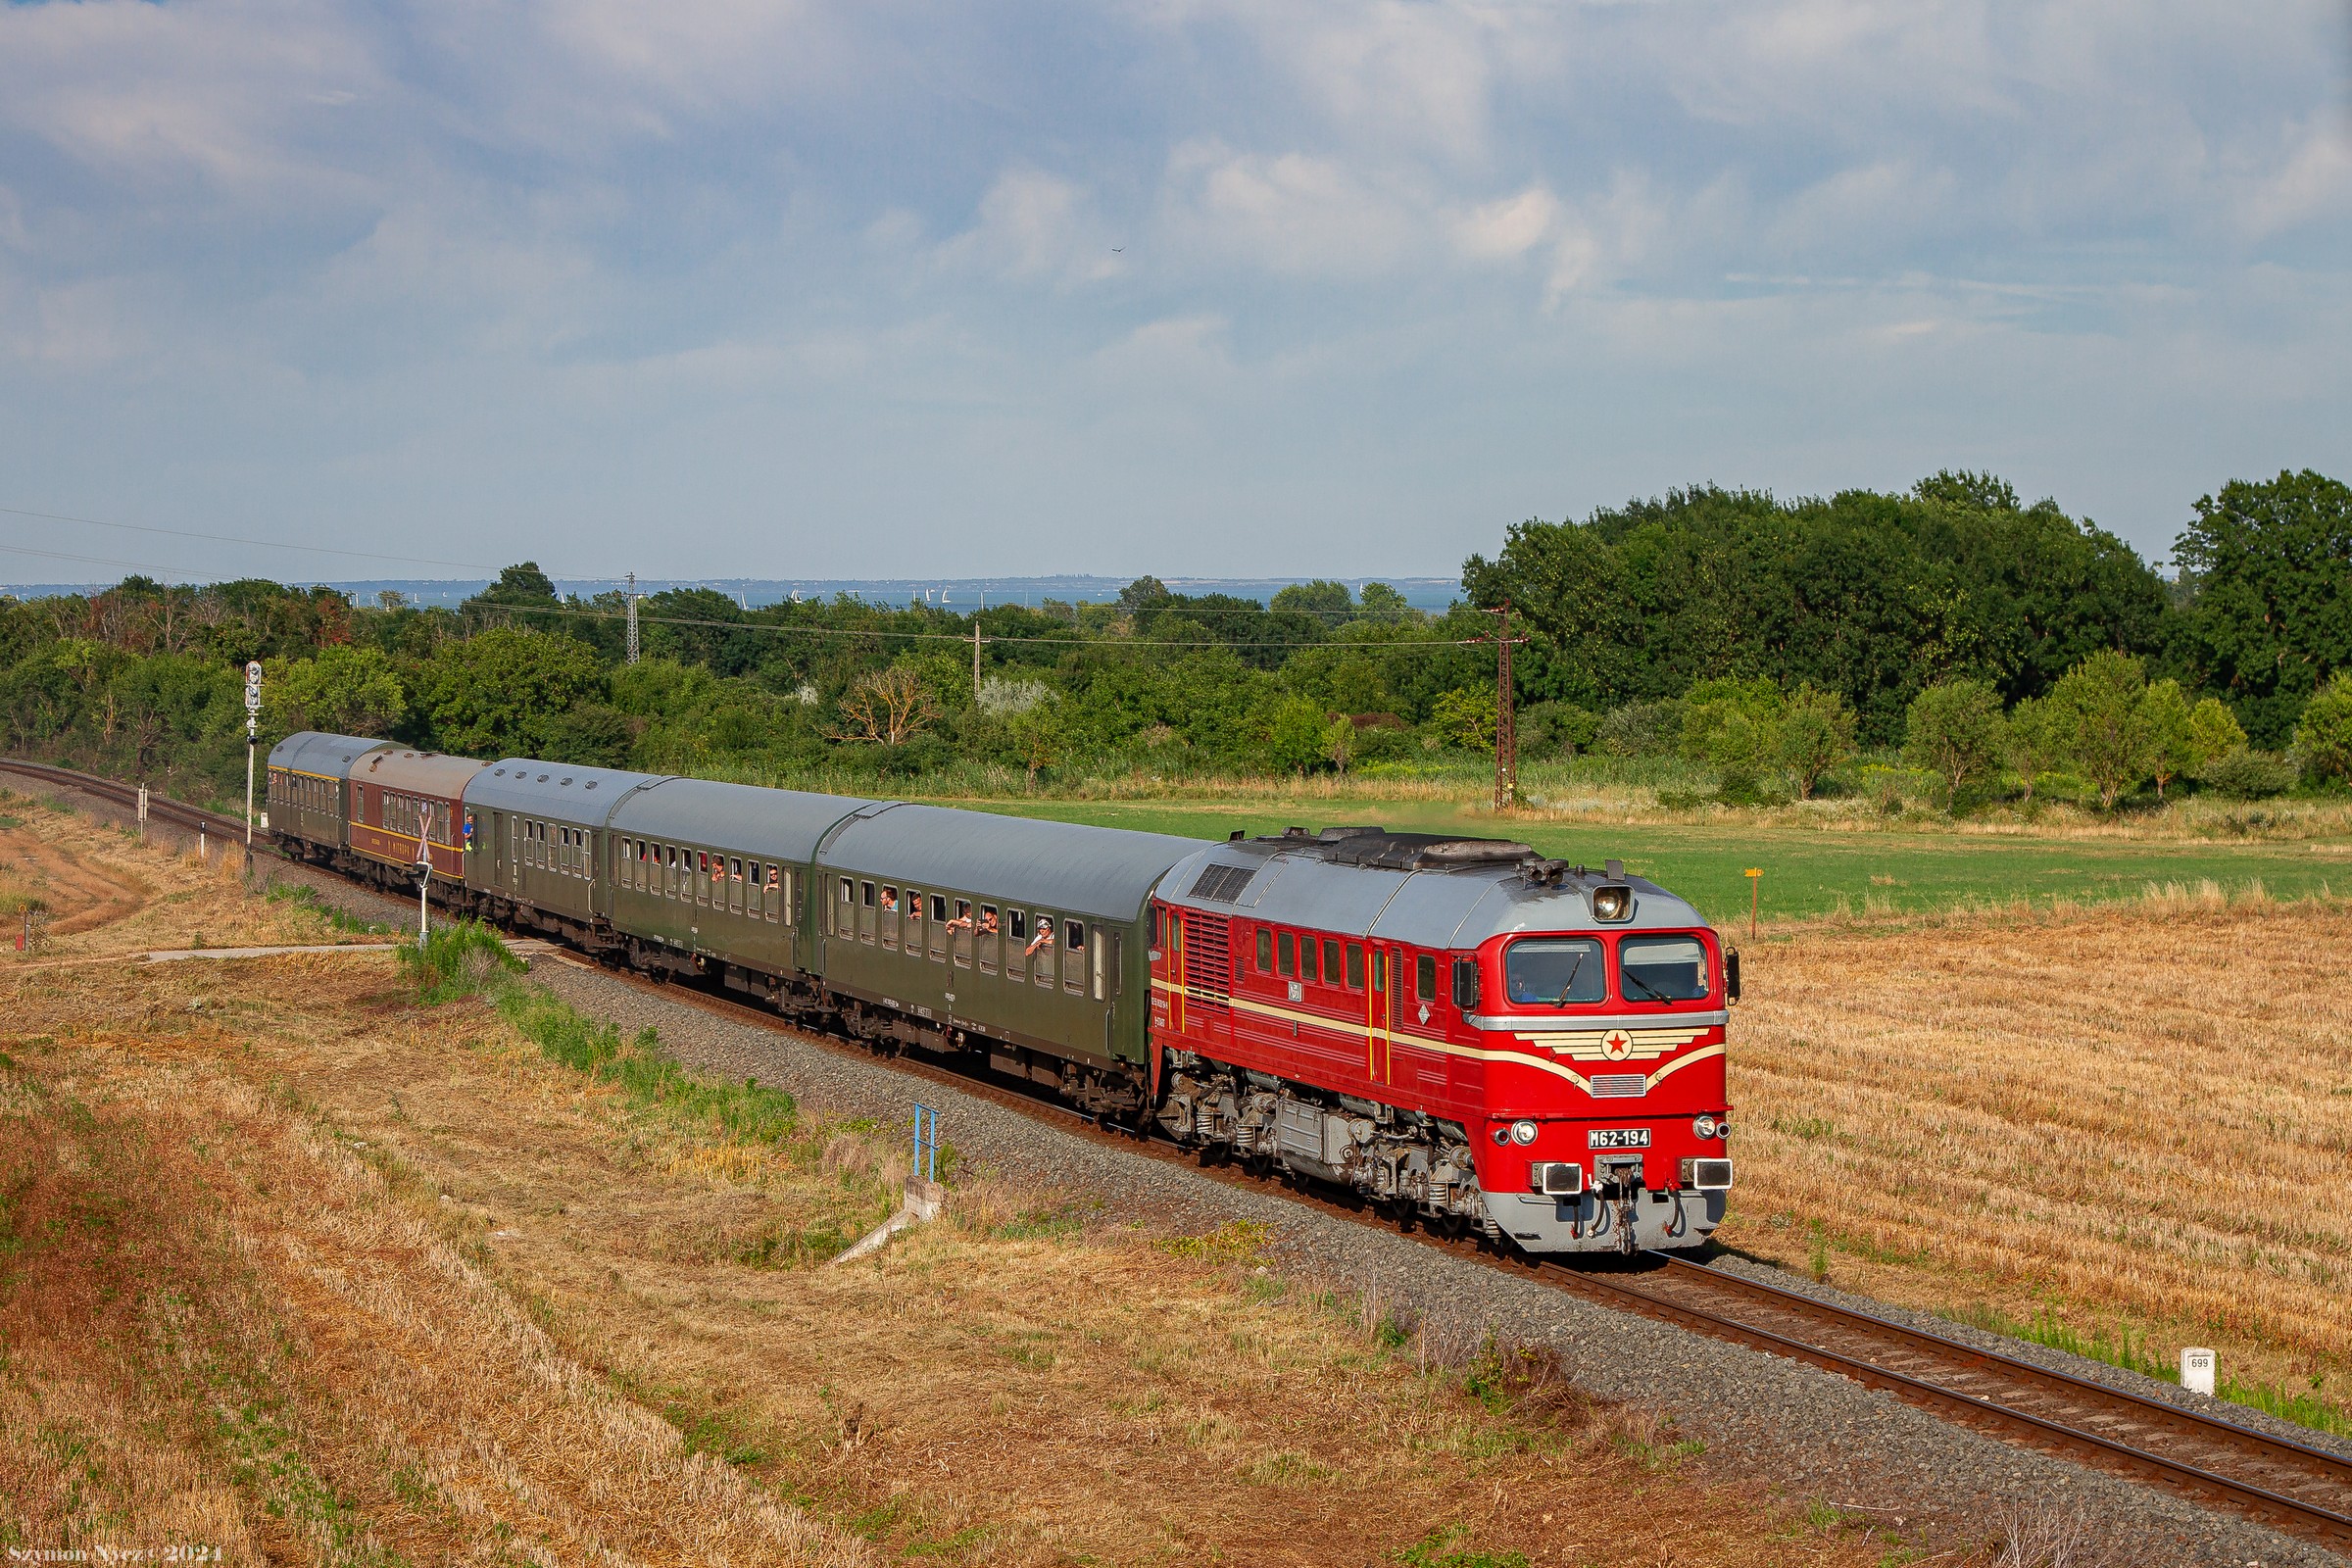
point(1571, 985)
point(1633, 979)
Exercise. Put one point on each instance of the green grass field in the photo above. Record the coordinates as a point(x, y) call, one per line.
point(1806, 873)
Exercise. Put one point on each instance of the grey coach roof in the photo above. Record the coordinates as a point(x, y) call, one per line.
point(782, 824)
point(1105, 872)
point(553, 789)
point(311, 752)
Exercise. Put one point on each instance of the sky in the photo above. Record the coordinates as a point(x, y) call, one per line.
point(724, 287)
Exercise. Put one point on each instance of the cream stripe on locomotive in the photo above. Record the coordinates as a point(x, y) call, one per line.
point(1649, 1080)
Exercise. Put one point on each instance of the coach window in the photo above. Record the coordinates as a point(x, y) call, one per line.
point(1265, 951)
point(774, 899)
point(938, 928)
point(961, 926)
point(1102, 942)
point(989, 938)
point(844, 923)
point(1040, 950)
point(1073, 962)
point(735, 884)
point(1016, 926)
point(1356, 967)
point(1425, 977)
point(1286, 953)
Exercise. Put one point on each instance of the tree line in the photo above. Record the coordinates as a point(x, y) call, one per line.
point(1948, 627)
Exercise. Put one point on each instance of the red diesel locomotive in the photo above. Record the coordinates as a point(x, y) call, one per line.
point(1460, 1029)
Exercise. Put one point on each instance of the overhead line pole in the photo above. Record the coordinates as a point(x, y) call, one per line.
point(632, 618)
point(1506, 728)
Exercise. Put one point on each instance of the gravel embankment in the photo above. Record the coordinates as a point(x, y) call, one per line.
point(1805, 1433)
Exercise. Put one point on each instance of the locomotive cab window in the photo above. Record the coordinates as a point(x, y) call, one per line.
point(1465, 984)
point(1552, 971)
point(1661, 969)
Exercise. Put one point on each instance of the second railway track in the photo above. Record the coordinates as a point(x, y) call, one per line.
point(2297, 1487)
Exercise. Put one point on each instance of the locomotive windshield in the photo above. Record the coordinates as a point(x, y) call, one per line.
point(1662, 968)
point(1553, 972)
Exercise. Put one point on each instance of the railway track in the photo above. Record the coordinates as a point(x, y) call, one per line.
point(2296, 1487)
point(159, 807)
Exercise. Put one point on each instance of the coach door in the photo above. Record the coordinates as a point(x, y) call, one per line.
point(1380, 1016)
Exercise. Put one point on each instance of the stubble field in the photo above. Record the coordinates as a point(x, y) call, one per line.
point(2129, 1129)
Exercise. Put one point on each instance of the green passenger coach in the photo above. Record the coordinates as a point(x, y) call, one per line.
point(1033, 934)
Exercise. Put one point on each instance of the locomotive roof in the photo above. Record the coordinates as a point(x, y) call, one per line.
point(783, 823)
point(428, 773)
point(1100, 872)
point(1421, 889)
point(555, 789)
point(313, 750)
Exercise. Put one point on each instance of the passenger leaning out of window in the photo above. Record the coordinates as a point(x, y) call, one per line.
point(890, 901)
point(1044, 937)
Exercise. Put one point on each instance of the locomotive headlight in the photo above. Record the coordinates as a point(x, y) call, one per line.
point(1523, 1133)
point(1612, 901)
point(1705, 1126)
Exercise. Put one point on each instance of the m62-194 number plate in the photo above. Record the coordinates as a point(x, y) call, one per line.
point(1617, 1138)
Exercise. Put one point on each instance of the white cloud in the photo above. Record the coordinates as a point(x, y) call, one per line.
point(1035, 227)
point(1293, 213)
point(1509, 228)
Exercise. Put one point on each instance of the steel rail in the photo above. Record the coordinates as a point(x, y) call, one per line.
point(1979, 1411)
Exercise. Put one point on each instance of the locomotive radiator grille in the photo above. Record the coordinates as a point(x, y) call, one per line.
point(1207, 960)
point(1619, 1085)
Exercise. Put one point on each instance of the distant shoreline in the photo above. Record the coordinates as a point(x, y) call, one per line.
point(961, 593)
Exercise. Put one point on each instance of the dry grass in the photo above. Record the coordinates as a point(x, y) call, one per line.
point(2137, 1120)
point(315, 1274)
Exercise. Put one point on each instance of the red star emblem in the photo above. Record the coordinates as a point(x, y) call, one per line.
point(1616, 1045)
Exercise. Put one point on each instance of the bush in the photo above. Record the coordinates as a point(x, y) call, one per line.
point(2102, 706)
point(2324, 734)
point(2249, 775)
point(457, 960)
point(1735, 726)
point(1465, 719)
point(1955, 730)
point(1817, 734)
point(1556, 729)
point(1641, 730)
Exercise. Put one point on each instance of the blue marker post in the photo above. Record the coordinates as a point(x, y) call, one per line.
point(926, 1146)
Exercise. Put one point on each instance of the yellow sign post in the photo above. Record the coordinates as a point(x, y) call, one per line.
point(1755, 883)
